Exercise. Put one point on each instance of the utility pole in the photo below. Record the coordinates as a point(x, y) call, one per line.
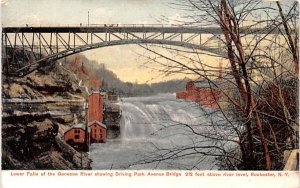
point(81, 159)
point(88, 18)
point(87, 36)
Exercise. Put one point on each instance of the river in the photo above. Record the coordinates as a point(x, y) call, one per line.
point(155, 134)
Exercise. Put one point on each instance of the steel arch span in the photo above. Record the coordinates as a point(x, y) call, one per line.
point(79, 49)
point(27, 48)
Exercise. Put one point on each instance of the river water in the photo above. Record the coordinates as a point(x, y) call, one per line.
point(156, 134)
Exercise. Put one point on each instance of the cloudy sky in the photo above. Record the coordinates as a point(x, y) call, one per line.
point(75, 11)
point(124, 62)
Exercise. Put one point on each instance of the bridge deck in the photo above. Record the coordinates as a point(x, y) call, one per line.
point(115, 28)
point(105, 29)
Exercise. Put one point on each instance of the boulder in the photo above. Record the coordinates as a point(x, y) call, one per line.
point(45, 129)
point(15, 91)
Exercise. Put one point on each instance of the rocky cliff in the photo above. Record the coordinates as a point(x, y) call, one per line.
point(37, 109)
point(112, 117)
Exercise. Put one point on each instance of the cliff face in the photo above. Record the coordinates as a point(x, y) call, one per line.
point(37, 109)
point(112, 117)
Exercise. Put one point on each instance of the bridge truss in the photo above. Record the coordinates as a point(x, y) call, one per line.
point(27, 48)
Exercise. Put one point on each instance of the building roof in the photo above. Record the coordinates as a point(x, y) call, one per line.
point(79, 126)
point(97, 92)
point(98, 122)
point(94, 92)
point(207, 84)
point(76, 126)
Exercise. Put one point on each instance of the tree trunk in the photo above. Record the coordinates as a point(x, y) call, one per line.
point(289, 38)
point(229, 25)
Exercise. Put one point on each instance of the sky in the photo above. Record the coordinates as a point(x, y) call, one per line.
point(125, 62)
point(76, 11)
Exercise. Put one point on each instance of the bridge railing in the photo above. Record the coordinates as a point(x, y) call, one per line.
point(99, 25)
point(191, 28)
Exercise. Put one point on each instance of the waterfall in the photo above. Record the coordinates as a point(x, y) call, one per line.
point(149, 123)
point(143, 117)
point(137, 121)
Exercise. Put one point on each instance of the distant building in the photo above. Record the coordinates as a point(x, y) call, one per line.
point(75, 135)
point(202, 93)
point(97, 132)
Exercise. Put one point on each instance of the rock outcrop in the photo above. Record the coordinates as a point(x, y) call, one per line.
point(35, 113)
point(112, 117)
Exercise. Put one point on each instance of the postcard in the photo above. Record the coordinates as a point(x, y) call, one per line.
point(141, 93)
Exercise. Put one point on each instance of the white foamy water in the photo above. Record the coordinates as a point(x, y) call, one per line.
point(155, 128)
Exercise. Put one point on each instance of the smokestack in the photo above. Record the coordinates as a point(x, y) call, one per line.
point(220, 70)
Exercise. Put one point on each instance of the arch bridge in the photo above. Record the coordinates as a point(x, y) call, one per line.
point(27, 48)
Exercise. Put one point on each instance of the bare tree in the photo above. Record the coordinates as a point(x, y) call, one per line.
point(256, 75)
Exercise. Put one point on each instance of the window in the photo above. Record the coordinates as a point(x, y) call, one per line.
point(77, 136)
point(77, 131)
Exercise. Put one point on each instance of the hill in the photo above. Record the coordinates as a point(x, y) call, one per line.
point(96, 76)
